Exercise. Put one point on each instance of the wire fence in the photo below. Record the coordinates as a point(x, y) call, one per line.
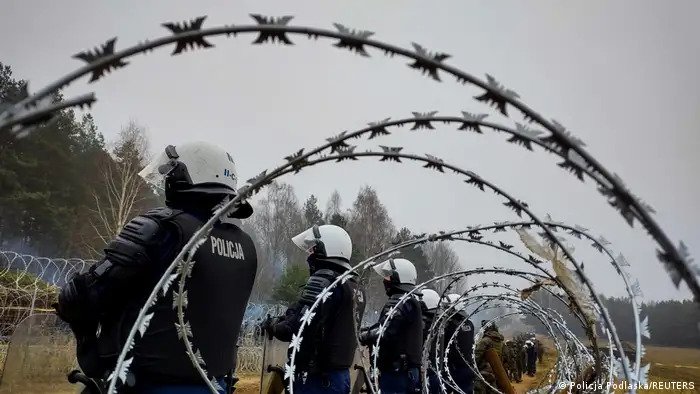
point(34, 343)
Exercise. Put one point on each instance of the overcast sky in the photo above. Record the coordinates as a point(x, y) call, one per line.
point(620, 75)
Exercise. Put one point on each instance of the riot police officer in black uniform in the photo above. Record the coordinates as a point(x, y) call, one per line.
point(101, 304)
point(402, 342)
point(328, 344)
point(430, 301)
point(462, 345)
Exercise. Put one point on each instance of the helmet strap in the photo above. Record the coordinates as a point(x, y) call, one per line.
point(317, 262)
point(394, 278)
point(319, 248)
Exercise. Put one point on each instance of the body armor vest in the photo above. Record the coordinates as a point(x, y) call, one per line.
point(463, 342)
point(427, 322)
point(217, 294)
point(402, 349)
point(331, 343)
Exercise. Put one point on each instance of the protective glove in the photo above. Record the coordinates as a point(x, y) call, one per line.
point(366, 336)
point(268, 327)
point(74, 308)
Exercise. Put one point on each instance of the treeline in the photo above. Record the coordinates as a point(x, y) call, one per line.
point(63, 190)
point(671, 323)
point(279, 216)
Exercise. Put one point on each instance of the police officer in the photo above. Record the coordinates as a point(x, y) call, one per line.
point(430, 301)
point(328, 346)
point(101, 304)
point(462, 346)
point(402, 342)
point(531, 352)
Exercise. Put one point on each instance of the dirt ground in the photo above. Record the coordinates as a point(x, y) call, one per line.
point(543, 368)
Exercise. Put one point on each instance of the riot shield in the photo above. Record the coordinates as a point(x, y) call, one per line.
point(39, 356)
point(359, 373)
point(274, 359)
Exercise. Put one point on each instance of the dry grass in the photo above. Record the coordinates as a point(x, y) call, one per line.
point(3, 354)
point(667, 365)
point(673, 365)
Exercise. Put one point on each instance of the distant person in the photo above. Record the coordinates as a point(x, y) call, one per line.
point(101, 304)
point(539, 346)
point(531, 352)
point(509, 358)
point(492, 339)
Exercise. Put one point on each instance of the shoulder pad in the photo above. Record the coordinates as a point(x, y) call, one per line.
point(141, 229)
point(131, 244)
point(161, 213)
point(314, 286)
point(394, 299)
point(325, 273)
point(417, 303)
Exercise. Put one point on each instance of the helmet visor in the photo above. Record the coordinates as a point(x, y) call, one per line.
point(383, 269)
point(305, 241)
point(152, 172)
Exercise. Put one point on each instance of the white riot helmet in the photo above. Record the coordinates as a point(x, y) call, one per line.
point(198, 167)
point(401, 273)
point(431, 299)
point(328, 243)
point(450, 299)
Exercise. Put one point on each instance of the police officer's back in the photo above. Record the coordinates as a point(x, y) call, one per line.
point(460, 353)
point(198, 177)
point(402, 342)
point(329, 342)
point(430, 301)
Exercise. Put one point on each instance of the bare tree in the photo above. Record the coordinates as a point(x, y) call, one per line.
point(123, 190)
point(333, 206)
point(277, 218)
point(370, 226)
point(371, 230)
point(441, 257)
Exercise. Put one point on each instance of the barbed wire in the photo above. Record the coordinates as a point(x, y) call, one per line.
point(191, 35)
point(29, 285)
point(551, 136)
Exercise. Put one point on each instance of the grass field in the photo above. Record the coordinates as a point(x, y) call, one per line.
point(673, 365)
point(668, 364)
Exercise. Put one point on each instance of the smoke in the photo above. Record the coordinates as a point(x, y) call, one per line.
point(18, 245)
